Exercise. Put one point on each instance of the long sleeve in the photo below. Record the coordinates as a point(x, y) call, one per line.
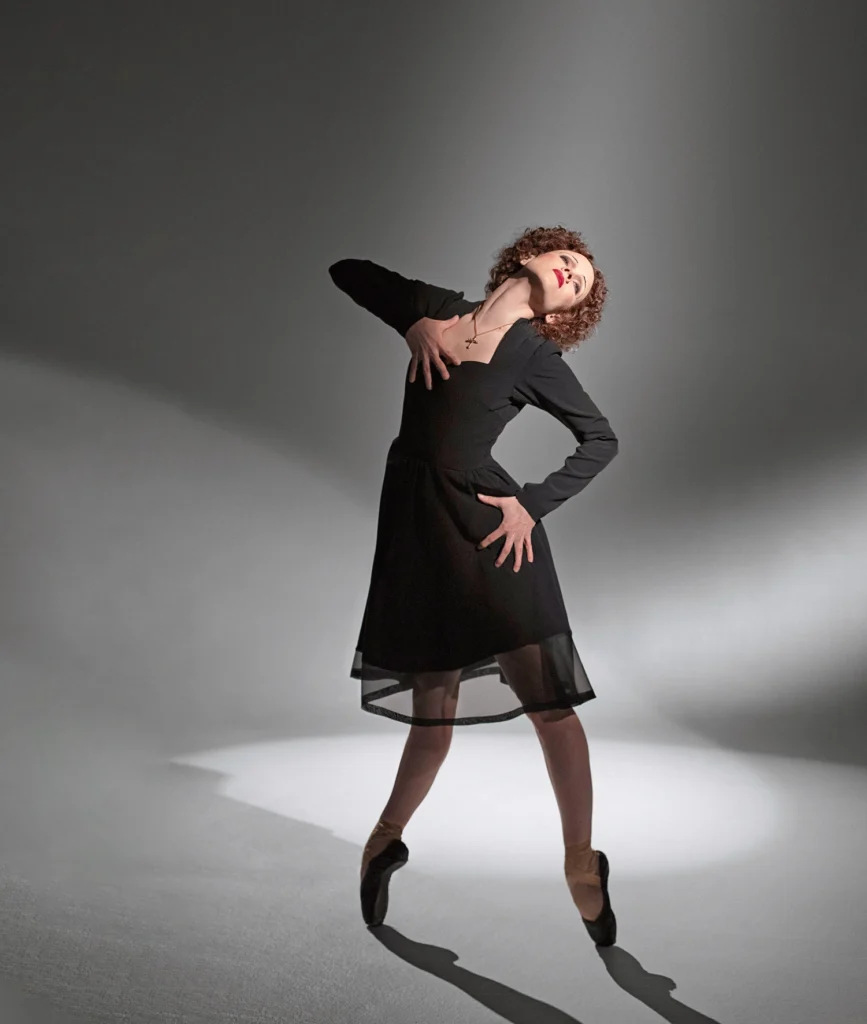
point(398, 301)
point(548, 383)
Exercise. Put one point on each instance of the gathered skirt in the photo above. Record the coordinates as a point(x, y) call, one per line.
point(448, 637)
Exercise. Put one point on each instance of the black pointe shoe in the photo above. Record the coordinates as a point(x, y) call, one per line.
point(374, 884)
point(603, 929)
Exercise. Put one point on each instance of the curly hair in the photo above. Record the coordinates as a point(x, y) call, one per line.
point(575, 325)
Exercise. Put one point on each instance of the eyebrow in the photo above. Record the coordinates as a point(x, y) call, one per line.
point(578, 265)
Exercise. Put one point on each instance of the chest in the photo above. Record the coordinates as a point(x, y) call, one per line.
point(459, 341)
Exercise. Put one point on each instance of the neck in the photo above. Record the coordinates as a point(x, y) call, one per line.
point(508, 302)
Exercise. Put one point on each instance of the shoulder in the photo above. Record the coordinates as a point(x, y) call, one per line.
point(372, 283)
point(440, 303)
point(544, 371)
point(538, 351)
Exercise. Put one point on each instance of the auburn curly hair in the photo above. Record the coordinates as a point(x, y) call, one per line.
point(576, 325)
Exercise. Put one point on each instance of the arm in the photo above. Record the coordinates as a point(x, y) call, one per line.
point(397, 301)
point(548, 383)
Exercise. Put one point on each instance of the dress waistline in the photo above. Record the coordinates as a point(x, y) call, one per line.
point(400, 448)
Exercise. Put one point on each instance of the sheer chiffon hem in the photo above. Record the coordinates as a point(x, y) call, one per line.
point(550, 676)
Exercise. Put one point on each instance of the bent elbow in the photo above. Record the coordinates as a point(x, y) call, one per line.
point(340, 272)
point(607, 446)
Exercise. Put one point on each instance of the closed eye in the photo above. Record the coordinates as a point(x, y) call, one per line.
point(578, 283)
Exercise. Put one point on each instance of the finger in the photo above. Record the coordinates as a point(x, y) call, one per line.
point(445, 326)
point(440, 365)
point(519, 552)
point(491, 538)
point(412, 368)
point(529, 549)
point(425, 365)
point(507, 547)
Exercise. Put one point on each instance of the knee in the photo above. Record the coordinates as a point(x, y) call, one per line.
point(433, 737)
point(551, 716)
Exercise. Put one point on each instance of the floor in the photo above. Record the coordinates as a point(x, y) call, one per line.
point(140, 889)
point(188, 781)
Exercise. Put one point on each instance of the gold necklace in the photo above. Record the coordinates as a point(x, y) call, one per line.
point(477, 334)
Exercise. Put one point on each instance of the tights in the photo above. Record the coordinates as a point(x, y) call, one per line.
point(564, 746)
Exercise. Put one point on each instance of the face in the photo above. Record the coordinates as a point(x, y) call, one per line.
point(559, 280)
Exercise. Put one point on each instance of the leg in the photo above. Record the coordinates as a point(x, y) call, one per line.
point(435, 695)
point(567, 758)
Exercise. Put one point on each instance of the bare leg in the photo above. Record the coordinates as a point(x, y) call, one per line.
point(435, 695)
point(567, 758)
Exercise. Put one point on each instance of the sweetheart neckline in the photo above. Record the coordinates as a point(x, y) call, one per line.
point(500, 343)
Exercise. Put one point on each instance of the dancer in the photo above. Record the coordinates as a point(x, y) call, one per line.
point(447, 607)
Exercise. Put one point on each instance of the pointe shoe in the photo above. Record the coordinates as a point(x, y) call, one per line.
point(384, 853)
point(578, 865)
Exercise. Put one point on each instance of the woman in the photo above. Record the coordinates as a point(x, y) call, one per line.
point(451, 617)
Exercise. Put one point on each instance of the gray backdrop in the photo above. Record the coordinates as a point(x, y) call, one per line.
point(195, 420)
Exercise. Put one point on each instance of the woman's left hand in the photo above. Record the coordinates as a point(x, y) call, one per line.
point(516, 527)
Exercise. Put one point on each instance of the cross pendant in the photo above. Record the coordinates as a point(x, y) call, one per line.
point(471, 341)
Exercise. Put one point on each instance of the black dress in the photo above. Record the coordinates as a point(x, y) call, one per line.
point(436, 601)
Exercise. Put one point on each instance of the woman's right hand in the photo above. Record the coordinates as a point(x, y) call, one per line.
point(425, 340)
